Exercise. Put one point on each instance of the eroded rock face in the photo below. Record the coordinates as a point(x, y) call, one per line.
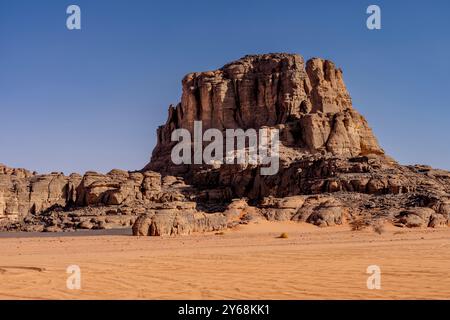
point(54, 202)
point(309, 104)
point(332, 170)
point(182, 219)
point(327, 148)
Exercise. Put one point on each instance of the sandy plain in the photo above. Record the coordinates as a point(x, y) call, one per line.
point(249, 262)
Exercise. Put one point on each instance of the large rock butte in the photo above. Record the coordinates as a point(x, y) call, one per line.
point(332, 169)
point(310, 105)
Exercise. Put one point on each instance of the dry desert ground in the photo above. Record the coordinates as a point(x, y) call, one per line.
point(249, 262)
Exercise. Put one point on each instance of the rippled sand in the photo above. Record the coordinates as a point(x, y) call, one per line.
point(247, 263)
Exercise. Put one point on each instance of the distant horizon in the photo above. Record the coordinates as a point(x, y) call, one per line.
point(92, 99)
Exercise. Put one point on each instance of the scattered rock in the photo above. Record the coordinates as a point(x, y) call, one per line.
point(52, 229)
point(142, 225)
point(415, 217)
point(86, 225)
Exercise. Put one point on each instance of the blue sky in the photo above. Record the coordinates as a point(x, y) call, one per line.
point(92, 99)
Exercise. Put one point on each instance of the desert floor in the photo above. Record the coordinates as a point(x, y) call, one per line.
point(247, 263)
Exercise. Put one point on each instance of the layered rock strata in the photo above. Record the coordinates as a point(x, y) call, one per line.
point(328, 153)
point(331, 168)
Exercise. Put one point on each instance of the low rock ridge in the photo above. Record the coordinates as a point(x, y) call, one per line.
point(54, 202)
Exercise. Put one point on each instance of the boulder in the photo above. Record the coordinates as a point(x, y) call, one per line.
point(416, 217)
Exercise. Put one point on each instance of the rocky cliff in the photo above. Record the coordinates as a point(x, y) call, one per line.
point(309, 104)
point(331, 171)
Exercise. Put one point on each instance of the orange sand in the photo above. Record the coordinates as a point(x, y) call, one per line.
point(247, 263)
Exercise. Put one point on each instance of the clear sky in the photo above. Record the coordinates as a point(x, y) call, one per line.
point(92, 99)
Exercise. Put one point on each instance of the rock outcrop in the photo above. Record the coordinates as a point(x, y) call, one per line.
point(309, 104)
point(331, 168)
point(54, 202)
point(329, 156)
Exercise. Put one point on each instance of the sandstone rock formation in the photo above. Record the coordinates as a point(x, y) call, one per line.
point(329, 156)
point(332, 170)
point(310, 105)
point(55, 202)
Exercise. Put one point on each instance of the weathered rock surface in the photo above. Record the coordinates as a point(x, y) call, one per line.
point(332, 170)
point(309, 104)
point(327, 148)
point(32, 202)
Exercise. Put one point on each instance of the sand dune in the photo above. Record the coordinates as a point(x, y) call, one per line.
point(247, 263)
